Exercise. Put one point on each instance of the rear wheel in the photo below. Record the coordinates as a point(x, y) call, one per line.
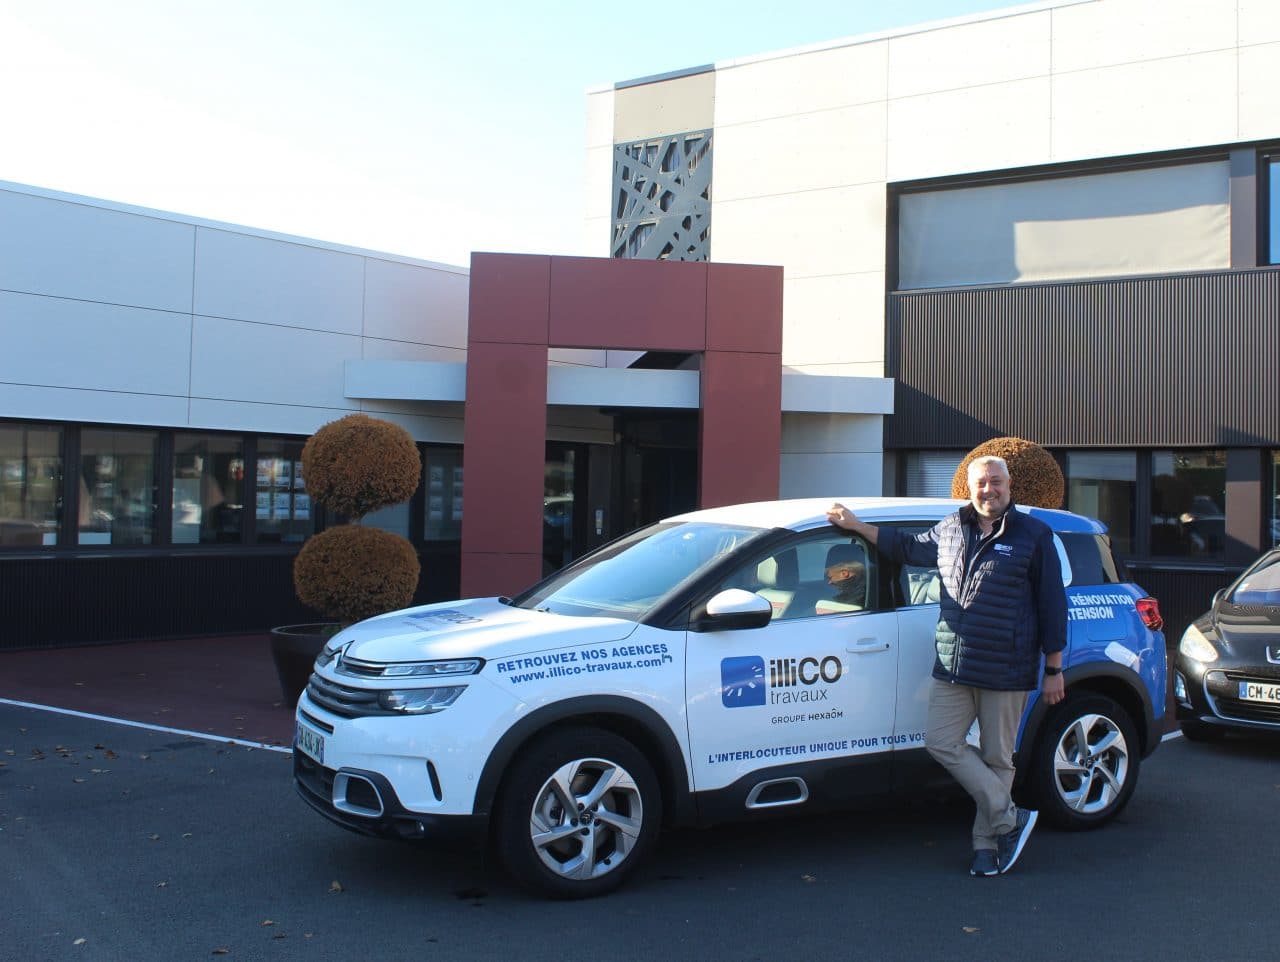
point(578, 811)
point(1086, 762)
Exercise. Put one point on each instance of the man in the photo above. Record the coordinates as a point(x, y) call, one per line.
point(1002, 605)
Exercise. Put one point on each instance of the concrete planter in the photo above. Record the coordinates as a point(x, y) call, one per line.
point(294, 649)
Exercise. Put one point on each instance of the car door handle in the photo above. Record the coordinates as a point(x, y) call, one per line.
point(864, 645)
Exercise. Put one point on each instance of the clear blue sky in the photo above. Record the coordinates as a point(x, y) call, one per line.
point(424, 128)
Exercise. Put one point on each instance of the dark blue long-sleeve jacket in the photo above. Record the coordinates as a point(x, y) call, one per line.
point(998, 613)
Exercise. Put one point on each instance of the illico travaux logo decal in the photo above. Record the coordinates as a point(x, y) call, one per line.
point(743, 680)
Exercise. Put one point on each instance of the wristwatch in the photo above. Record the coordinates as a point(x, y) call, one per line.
point(1051, 670)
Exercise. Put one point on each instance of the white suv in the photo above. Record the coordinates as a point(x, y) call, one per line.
point(710, 667)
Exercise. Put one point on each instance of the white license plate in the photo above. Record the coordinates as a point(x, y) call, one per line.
point(1255, 691)
point(310, 743)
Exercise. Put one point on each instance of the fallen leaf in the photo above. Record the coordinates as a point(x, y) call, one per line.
point(22, 731)
point(79, 941)
point(221, 950)
point(144, 756)
point(99, 771)
point(807, 878)
point(278, 935)
point(186, 834)
point(109, 754)
point(77, 780)
point(335, 886)
point(267, 922)
point(161, 885)
point(154, 838)
point(970, 929)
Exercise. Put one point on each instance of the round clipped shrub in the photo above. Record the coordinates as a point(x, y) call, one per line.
point(350, 573)
point(359, 464)
point(1035, 478)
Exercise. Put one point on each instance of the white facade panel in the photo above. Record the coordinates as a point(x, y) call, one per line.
point(1129, 31)
point(597, 185)
point(52, 342)
point(823, 433)
point(818, 81)
point(1157, 105)
point(66, 249)
point(373, 349)
point(1260, 91)
point(809, 151)
point(408, 302)
point(833, 320)
point(809, 234)
point(969, 55)
point(576, 356)
point(73, 404)
point(832, 474)
point(247, 278)
point(599, 124)
point(237, 361)
point(597, 236)
point(978, 128)
point(214, 414)
point(368, 380)
point(1259, 21)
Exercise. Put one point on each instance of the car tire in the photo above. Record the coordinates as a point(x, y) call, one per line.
point(1195, 731)
point(557, 851)
point(1086, 762)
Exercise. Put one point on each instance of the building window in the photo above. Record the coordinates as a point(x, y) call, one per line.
point(208, 488)
point(662, 198)
point(117, 487)
point(281, 505)
point(1273, 214)
point(928, 474)
point(1152, 221)
point(442, 474)
point(1188, 491)
point(1275, 499)
point(30, 485)
point(1104, 485)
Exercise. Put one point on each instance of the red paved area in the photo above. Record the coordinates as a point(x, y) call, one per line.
point(222, 686)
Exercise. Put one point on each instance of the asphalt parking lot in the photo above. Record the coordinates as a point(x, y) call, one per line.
point(125, 843)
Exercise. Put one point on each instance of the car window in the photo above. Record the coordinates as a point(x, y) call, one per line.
point(1090, 559)
point(917, 585)
point(812, 575)
point(1259, 586)
point(630, 577)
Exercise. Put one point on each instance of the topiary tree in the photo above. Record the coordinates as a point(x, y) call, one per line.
point(354, 466)
point(1035, 478)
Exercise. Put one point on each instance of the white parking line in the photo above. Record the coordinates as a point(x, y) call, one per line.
point(205, 736)
point(1176, 733)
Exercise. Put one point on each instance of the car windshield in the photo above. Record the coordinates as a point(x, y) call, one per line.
point(1260, 586)
point(628, 578)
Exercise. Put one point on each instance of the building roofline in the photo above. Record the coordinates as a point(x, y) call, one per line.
point(852, 41)
point(97, 202)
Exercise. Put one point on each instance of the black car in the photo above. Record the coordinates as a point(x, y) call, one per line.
point(1227, 673)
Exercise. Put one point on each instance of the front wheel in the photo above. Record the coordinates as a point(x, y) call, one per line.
point(1086, 762)
point(578, 811)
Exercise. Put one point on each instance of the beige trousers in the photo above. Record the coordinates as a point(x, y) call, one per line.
point(986, 772)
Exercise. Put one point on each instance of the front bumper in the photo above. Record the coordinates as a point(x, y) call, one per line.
point(365, 802)
point(1209, 694)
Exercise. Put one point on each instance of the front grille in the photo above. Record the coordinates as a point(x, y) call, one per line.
point(1223, 688)
point(344, 701)
point(361, 669)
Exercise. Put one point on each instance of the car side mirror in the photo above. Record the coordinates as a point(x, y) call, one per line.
point(733, 608)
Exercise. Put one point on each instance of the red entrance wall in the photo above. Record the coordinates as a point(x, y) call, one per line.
point(521, 304)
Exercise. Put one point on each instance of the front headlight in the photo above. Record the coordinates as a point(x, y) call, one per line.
point(1196, 646)
point(419, 701)
point(433, 669)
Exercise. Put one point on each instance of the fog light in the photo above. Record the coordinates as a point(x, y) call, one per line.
point(1180, 689)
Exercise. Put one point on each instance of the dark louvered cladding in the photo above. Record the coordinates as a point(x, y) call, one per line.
point(1186, 359)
